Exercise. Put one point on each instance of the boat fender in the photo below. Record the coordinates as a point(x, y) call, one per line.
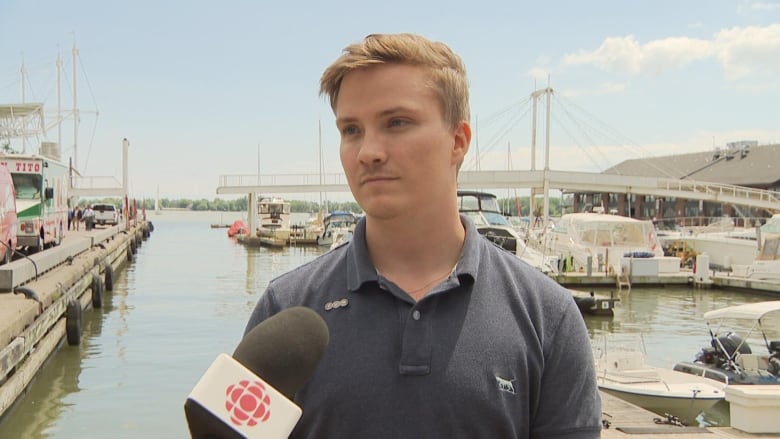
point(138, 240)
point(133, 247)
point(30, 294)
point(109, 277)
point(129, 254)
point(151, 227)
point(73, 322)
point(97, 291)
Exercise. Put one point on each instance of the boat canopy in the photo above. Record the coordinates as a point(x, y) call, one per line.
point(749, 311)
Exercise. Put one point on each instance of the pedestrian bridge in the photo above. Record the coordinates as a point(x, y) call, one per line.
point(561, 180)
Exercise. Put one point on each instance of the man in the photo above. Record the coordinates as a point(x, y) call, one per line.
point(434, 331)
point(89, 217)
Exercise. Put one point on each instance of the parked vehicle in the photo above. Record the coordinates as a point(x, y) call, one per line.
point(41, 185)
point(9, 224)
point(105, 214)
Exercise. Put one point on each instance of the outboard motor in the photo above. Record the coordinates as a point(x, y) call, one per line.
point(727, 346)
point(774, 358)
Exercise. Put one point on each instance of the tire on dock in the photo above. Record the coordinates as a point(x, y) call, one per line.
point(97, 291)
point(108, 276)
point(73, 322)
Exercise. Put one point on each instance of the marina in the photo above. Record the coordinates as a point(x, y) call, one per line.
point(139, 345)
point(667, 232)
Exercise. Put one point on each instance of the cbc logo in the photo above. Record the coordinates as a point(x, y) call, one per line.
point(248, 403)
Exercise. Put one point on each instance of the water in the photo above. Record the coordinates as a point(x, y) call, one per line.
point(187, 297)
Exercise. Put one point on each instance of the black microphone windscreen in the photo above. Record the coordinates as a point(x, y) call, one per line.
point(285, 348)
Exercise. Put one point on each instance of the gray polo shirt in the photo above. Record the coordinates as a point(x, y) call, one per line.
point(497, 350)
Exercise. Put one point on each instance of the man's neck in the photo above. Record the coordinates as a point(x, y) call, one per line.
point(411, 253)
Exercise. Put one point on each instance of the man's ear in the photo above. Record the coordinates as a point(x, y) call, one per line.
point(461, 143)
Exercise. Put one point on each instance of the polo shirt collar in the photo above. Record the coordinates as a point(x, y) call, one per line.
point(361, 270)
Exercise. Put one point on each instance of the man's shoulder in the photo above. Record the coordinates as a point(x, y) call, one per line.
point(316, 273)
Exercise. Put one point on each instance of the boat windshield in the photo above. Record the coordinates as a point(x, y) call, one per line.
point(478, 219)
point(611, 234)
point(28, 186)
point(496, 219)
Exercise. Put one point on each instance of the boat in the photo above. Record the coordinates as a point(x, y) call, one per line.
point(730, 248)
point(766, 266)
point(730, 358)
point(337, 226)
point(482, 208)
point(238, 227)
point(725, 245)
point(600, 241)
point(273, 219)
point(626, 374)
point(590, 304)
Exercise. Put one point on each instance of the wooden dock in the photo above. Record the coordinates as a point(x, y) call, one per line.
point(43, 296)
point(624, 420)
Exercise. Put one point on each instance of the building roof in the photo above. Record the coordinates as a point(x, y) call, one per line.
point(743, 164)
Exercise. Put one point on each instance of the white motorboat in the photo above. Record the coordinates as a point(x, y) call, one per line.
point(766, 266)
point(338, 227)
point(273, 214)
point(728, 247)
point(483, 209)
point(603, 240)
point(626, 375)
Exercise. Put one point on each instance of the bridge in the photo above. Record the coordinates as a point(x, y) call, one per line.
point(533, 179)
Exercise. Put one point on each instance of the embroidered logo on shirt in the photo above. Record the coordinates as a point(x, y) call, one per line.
point(336, 304)
point(505, 385)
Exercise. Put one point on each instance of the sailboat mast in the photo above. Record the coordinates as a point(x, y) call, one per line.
point(59, 100)
point(319, 145)
point(75, 53)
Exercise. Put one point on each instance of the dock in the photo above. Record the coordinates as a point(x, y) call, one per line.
point(621, 419)
point(604, 279)
point(43, 296)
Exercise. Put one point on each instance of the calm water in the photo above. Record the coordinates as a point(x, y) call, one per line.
point(187, 297)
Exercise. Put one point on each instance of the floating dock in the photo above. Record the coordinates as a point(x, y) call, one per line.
point(43, 296)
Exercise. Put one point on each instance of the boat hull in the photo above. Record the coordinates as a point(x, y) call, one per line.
point(685, 408)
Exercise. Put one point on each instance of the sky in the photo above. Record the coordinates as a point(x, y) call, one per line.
point(204, 89)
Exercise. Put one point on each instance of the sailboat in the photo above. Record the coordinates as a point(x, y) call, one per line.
point(157, 206)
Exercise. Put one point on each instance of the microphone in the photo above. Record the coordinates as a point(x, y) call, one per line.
point(250, 395)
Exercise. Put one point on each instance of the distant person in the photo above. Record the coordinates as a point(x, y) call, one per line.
point(89, 218)
point(435, 332)
point(70, 218)
point(78, 216)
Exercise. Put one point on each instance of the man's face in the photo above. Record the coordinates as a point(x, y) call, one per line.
point(397, 151)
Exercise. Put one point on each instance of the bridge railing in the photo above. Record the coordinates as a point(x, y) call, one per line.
point(723, 189)
point(281, 179)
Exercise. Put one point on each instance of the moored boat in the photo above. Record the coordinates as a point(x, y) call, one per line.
point(729, 358)
point(625, 373)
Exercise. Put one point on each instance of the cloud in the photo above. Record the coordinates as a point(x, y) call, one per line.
point(748, 51)
point(627, 55)
point(616, 54)
point(743, 52)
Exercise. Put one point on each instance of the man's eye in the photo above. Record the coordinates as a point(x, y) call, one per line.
point(397, 122)
point(349, 130)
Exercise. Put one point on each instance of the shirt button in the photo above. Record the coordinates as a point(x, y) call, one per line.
point(416, 314)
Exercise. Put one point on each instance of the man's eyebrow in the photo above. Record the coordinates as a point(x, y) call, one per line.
point(383, 113)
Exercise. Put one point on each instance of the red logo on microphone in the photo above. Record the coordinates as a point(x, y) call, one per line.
point(248, 403)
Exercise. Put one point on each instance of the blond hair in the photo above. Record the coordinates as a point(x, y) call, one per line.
point(446, 70)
